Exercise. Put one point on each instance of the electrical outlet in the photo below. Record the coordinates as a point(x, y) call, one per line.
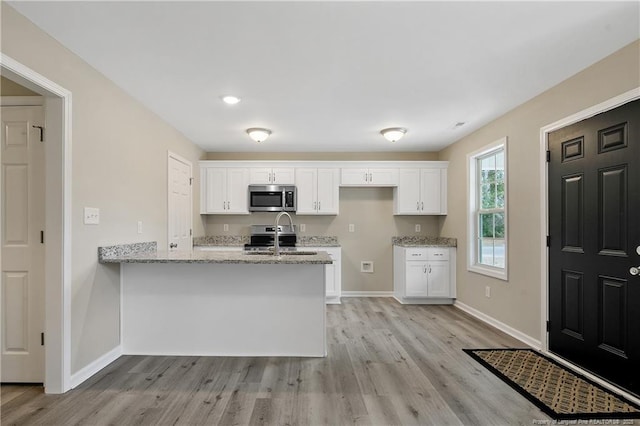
point(91, 216)
point(139, 227)
point(487, 291)
point(366, 266)
point(225, 227)
point(418, 227)
point(352, 227)
point(303, 227)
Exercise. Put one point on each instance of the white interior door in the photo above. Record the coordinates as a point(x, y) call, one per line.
point(179, 215)
point(23, 218)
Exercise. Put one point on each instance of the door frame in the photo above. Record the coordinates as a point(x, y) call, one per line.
point(607, 105)
point(58, 190)
point(180, 158)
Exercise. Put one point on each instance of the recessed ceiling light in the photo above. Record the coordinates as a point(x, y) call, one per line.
point(230, 99)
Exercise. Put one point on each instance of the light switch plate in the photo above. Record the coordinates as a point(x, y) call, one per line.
point(418, 227)
point(139, 227)
point(91, 216)
point(303, 227)
point(352, 227)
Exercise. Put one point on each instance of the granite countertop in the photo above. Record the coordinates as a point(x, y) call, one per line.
point(241, 240)
point(424, 242)
point(148, 253)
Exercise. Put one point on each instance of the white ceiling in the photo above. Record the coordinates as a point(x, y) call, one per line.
point(327, 76)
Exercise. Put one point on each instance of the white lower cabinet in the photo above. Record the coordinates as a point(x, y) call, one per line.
point(424, 275)
point(333, 272)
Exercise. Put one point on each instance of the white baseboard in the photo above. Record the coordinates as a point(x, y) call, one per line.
point(534, 343)
point(97, 365)
point(367, 294)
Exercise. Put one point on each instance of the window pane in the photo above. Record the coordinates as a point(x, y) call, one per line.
point(487, 169)
point(488, 196)
point(498, 220)
point(499, 252)
point(500, 195)
point(486, 251)
point(486, 225)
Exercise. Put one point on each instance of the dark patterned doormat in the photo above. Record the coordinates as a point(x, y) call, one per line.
point(557, 391)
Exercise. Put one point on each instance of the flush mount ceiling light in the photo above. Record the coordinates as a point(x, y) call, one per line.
point(258, 134)
point(393, 134)
point(230, 99)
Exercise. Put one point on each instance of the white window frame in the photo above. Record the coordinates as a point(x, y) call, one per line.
point(472, 222)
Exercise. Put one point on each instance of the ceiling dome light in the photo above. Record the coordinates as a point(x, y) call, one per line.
point(393, 134)
point(230, 99)
point(258, 134)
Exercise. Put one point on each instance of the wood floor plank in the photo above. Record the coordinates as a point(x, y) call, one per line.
point(387, 364)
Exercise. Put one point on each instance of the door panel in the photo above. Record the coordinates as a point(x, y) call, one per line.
point(594, 203)
point(612, 222)
point(572, 304)
point(22, 221)
point(572, 208)
point(179, 211)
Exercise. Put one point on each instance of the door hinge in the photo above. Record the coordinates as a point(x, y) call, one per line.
point(41, 339)
point(41, 237)
point(41, 132)
point(190, 181)
point(548, 326)
point(548, 241)
point(191, 232)
point(548, 156)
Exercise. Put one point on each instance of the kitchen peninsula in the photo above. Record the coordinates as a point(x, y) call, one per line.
point(220, 303)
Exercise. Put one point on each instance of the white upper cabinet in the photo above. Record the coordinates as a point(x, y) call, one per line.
point(317, 191)
point(421, 191)
point(224, 190)
point(272, 176)
point(369, 177)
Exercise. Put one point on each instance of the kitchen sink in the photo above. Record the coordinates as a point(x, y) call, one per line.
point(282, 253)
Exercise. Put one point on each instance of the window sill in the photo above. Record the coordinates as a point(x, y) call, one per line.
point(498, 273)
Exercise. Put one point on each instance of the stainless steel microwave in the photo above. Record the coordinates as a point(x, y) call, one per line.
point(272, 198)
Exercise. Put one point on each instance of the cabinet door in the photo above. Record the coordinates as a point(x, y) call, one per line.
point(306, 185)
point(283, 176)
point(431, 191)
point(237, 190)
point(260, 175)
point(439, 283)
point(407, 196)
point(383, 177)
point(216, 187)
point(328, 191)
point(416, 284)
point(354, 177)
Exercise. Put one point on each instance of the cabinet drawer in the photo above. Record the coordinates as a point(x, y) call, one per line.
point(416, 254)
point(438, 254)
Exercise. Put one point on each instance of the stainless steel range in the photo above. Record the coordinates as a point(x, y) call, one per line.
point(263, 237)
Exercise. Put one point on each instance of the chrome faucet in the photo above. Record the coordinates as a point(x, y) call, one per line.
point(277, 237)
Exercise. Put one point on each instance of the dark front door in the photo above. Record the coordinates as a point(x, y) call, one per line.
point(594, 227)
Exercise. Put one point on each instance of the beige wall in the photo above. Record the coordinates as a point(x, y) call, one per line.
point(371, 211)
point(517, 302)
point(11, 88)
point(119, 164)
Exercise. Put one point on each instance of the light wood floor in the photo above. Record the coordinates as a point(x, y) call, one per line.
point(387, 364)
